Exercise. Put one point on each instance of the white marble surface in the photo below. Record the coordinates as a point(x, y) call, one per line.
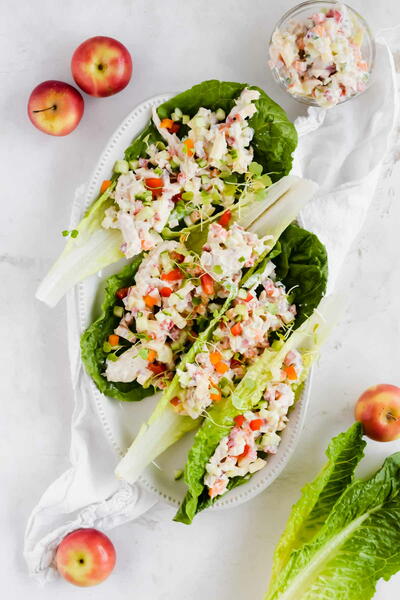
point(174, 44)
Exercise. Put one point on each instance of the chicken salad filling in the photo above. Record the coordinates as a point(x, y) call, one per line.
point(244, 331)
point(174, 295)
point(256, 432)
point(199, 170)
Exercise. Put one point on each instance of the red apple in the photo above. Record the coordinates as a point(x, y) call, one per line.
point(55, 107)
point(101, 66)
point(378, 409)
point(85, 557)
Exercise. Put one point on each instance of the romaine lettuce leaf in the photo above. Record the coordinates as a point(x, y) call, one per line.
point(92, 340)
point(357, 544)
point(274, 141)
point(275, 137)
point(307, 339)
point(318, 497)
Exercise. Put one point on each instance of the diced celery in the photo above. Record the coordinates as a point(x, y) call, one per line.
point(158, 171)
point(185, 119)
point(202, 162)
point(174, 164)
point(220, 114)
point(133, 164)
point(118, 311)
point(242, 293)
point(165, 261)
point(121, 166)
point(107, 347)
point(146, 213)
point(187, 196)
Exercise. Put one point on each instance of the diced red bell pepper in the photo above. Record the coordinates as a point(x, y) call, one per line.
point(239, 420)
point(236, 329)
point(122, 293)
point(157, 368)
point(165, 292)
point(225, 218)
point(207, 284)
point(155, 185)
point(173, 275)
point(256, 424)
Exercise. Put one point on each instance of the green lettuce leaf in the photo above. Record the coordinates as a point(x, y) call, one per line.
point(317, 499)
point(303, 265)
point(307, 339)
point(274, 141)
point(275, 137)
point(93, 355)
point(357, 544)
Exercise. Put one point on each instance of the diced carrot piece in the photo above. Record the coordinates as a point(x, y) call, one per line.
point(151, 356)
point(215, 395)
point(175, 401)
point(256, 424)
point(166, 123)
point(290, 372)
point(189, 146)
point(221, 367)
point(113, 339)
point(236, 329)
point(105, 185)
point(215, 357)
point(248, 297)
point(149, 301)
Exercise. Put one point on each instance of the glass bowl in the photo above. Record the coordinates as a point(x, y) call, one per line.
point(299, 14)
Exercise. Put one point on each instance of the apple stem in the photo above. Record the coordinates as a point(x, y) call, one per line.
point(48, 108)
point(391, 417)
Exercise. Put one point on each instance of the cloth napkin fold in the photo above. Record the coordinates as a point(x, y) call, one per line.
point(342, 150)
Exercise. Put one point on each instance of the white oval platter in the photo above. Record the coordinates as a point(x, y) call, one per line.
point(121, 420)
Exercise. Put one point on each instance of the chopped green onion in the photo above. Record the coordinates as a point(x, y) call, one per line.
point(65, 233)
point(74, 233)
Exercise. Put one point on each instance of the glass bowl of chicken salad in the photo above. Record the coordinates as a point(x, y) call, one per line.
point(322, 53)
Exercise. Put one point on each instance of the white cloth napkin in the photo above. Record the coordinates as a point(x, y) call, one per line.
point(342, 150)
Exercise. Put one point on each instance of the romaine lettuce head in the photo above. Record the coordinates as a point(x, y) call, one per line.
point(94, 248)
point(354, 535)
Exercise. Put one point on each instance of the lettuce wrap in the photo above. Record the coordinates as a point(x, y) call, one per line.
point(223, 445)
point(273, 140)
